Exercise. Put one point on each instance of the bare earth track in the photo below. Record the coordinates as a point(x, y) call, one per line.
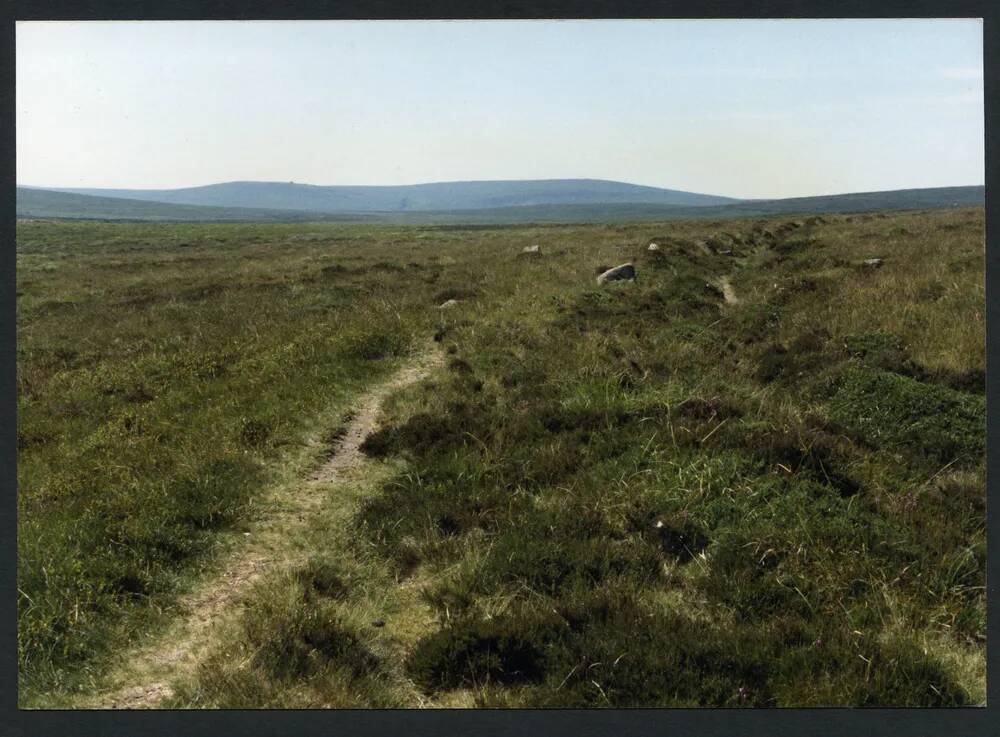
point(268, 547)
point(728, 293)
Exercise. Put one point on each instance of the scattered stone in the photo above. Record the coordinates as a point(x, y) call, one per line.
point(530, 249)
point(873, 263)
point(449, 304)
point(728, 252)
point(625, 272)
point(378, 623)
point(653, 247)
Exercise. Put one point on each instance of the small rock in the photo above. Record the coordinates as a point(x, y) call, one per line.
point(873, 263)
point(378, 623)
point(448, 305)
point(625, 272)
point(530, 249)
point(653, 247)
point(726, 253)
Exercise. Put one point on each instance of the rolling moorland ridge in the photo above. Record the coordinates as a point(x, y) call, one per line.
point(321, 464)
point(455, 202)
point(434, 196)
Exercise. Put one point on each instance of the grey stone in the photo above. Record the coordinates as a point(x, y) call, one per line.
point(448, 305)
point(873, 263)
point(653, 247)
point(625, 272)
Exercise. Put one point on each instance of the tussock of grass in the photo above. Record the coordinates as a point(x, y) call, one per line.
point(293, 638)
point(932, 423)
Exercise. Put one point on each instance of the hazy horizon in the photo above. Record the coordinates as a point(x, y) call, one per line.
point(742, 109)
point(56, 187)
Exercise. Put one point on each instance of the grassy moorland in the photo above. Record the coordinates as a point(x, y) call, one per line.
point(637, 494)
point(166, 374)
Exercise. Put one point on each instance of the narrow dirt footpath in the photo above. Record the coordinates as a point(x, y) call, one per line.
point(269, 545)
point(728, 293)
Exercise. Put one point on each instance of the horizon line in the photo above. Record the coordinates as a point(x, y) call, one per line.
point(480, 181)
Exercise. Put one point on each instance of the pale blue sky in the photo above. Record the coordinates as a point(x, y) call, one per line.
point(738, 108)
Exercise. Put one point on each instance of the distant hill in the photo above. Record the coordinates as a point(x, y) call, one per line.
point(895, 199)
point(47, 204)
point(901, 199)
point(441, 196)
point(40, 203)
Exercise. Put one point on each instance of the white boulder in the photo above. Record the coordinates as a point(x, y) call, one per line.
point(625, 272)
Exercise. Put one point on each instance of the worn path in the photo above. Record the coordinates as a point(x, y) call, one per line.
point(728, 293)
point(269, 545)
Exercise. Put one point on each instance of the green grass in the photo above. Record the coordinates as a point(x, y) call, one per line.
point(164, 376)
point(628, 495)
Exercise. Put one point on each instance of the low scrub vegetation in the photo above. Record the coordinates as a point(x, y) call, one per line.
point(186, 372)
point(633, 494)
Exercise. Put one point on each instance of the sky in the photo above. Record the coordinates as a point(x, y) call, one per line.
point(739, 108)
